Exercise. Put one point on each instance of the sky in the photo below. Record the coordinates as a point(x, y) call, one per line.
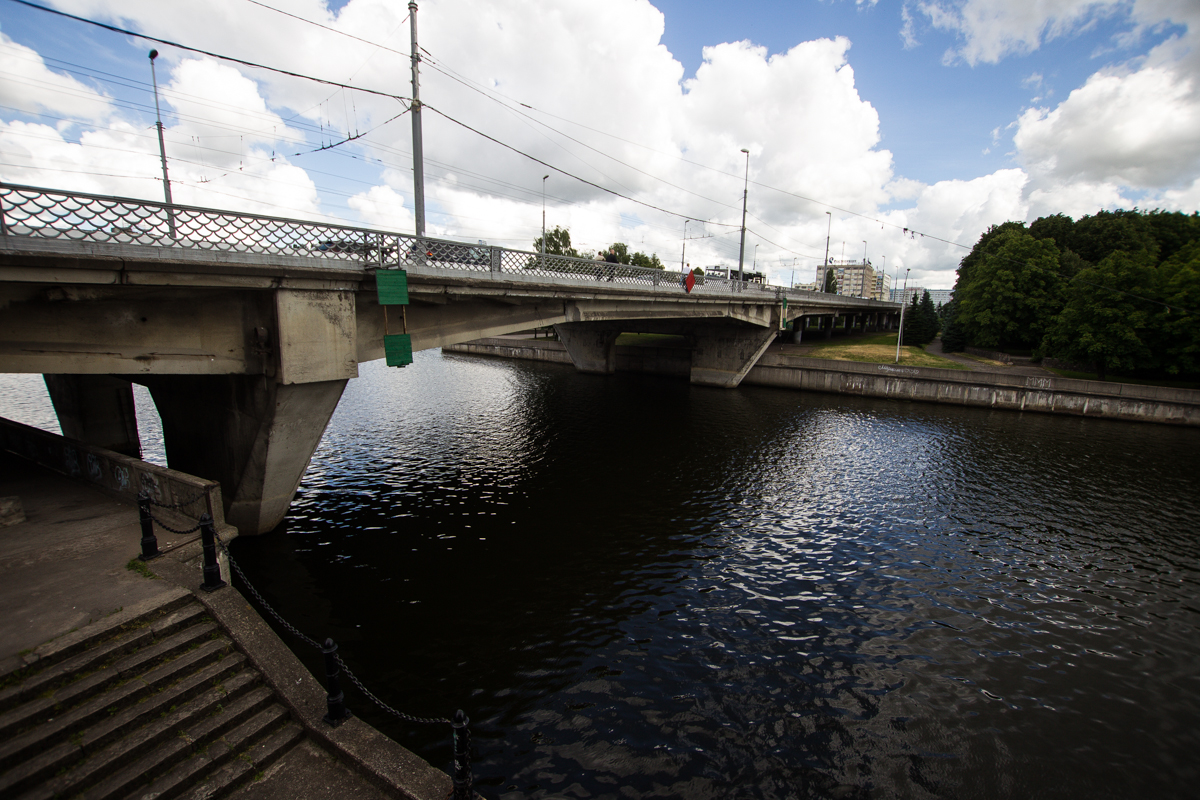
point(898, 131)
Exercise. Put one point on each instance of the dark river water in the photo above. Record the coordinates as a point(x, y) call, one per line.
point(638, 588)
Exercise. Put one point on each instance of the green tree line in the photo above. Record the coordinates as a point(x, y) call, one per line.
point(558, 243)
point(1119, 290)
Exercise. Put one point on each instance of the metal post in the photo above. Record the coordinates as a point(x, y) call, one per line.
point(825, 266)
point(212, 570)
point(149, 540)
point(745, 190)
point(544, 220)
point(162, 149)
point(335, 706)
point(900, 333)
point(3, 222)
point(418, 153)
point(461, 734)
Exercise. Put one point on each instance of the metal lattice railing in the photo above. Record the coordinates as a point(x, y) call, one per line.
point(37, 213)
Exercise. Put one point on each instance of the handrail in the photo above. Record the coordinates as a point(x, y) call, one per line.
point(40, 213)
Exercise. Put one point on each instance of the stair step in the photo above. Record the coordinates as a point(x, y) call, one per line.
point(238, 770)
point(186, 772)
point(67, 671)
point(137, 689)
point(75, 642)
point(45, 708)
point(220, 710)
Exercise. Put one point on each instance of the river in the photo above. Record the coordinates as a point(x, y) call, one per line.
point(638, 588)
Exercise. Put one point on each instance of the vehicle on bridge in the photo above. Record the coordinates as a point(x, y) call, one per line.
point(344, 246)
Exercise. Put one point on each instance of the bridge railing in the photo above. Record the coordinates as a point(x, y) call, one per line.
point(39, 213)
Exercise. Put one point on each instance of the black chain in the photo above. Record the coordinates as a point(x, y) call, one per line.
point(172, 530)
point(261, 600)
point(406, 717)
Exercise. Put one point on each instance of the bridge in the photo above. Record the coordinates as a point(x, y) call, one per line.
point(246, 328)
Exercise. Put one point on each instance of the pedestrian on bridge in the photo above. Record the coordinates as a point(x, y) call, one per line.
point(611, 258)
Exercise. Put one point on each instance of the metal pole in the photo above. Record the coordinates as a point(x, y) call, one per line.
point(684, 253)
point(162, 148)
point(862, 289)
point(149, 540)
point(461, 736)
point(544, 218)
point(745, 190)
point(335, 701)
point(825, 267)
point(900, 333)
point(418, 154)
point(212, 569)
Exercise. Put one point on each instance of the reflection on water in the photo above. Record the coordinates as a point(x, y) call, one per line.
point(637, 588)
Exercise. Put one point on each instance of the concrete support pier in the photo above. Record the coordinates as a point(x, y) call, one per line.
point(723, 354)
point(592, 347)
point(252, 435)
point(96, 409)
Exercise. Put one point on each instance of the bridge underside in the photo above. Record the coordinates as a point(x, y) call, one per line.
point(247, 369)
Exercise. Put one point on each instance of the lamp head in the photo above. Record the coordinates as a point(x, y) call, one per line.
point(744, 150)
point(153, 54)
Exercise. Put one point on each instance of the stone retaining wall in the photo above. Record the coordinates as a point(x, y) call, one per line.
point(957, 387)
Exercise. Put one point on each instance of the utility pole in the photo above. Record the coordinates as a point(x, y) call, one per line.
point(418, 153)
point(742, 248)
point(825, 266)
point(544, 217)
point(862, 289)
point(683, 255)
point(900, 333)
point(162, 149)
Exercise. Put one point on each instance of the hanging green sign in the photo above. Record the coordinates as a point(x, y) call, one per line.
point(392, 286)
point(397, 349)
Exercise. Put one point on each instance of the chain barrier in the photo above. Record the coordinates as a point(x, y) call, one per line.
point(165, 527)
point(367, 692)
point(316, 645)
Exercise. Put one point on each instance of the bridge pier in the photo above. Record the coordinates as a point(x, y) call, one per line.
point(96, 410)
point(723, 354)
point(253, 435)
point(592, 347)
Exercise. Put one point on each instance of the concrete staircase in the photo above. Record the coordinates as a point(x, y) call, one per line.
point(152, 702)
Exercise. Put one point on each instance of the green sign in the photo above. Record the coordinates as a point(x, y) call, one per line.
point(397, 349)
point(392, 286)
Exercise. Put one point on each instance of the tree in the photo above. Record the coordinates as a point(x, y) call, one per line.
point(1105, 320)
point(1012, 293)
point(831, 286)
point(645, 261)
point(558, 242)
point(1177, 324)
point(953, 340)
point(920, 321)
point(1107, 232)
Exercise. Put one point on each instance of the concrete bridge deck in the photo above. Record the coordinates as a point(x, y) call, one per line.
point(246, 328)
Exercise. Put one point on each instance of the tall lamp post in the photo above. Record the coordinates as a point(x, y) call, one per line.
point(418, 148)
point(683, 255)
point(900, 333)
point(862, 289)
point(544, 216)
point(162, 148)
point(742, 248)
point(825, 266)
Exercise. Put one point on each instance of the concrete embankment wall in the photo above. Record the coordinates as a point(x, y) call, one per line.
point(956, 387)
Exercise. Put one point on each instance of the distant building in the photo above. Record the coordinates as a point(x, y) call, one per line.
point(939, 296)
point(805, 287)
point(859, 279)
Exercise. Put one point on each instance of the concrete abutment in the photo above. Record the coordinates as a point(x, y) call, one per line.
point(96, 410)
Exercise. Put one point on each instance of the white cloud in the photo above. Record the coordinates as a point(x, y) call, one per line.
point(993, 29)
point(30, 85)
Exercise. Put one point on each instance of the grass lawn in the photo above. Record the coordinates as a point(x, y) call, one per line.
point(877, 348)
point(884, 354)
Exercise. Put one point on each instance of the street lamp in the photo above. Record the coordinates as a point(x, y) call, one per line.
point(742, 248)
point(900, 333)
point(754, 266)
point(162, 148)
point(825, 266)
point(544, 216)
point(862, 289)
point(684, 253)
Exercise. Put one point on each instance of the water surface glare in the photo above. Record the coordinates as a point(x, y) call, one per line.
point(637, 588)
